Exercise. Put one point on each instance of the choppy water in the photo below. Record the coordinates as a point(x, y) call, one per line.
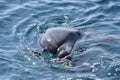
point(98, 56)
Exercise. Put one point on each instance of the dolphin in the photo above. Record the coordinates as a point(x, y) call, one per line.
point(60, 41)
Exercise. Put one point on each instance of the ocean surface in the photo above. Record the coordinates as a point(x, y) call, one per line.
point(96, 55)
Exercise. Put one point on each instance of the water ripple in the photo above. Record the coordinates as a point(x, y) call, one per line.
point(96, 55)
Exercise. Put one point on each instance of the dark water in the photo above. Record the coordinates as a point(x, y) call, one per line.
point(96, 56)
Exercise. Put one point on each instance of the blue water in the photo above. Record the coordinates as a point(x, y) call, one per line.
point(96, 56)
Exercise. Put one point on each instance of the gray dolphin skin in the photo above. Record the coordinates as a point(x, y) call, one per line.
point(60, 40)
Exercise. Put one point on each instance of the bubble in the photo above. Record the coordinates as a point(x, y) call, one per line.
point(29, 59)
point(66, 17)
point(86, 64)
point(109, 74)
point(33, 63)
point(117, 69)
